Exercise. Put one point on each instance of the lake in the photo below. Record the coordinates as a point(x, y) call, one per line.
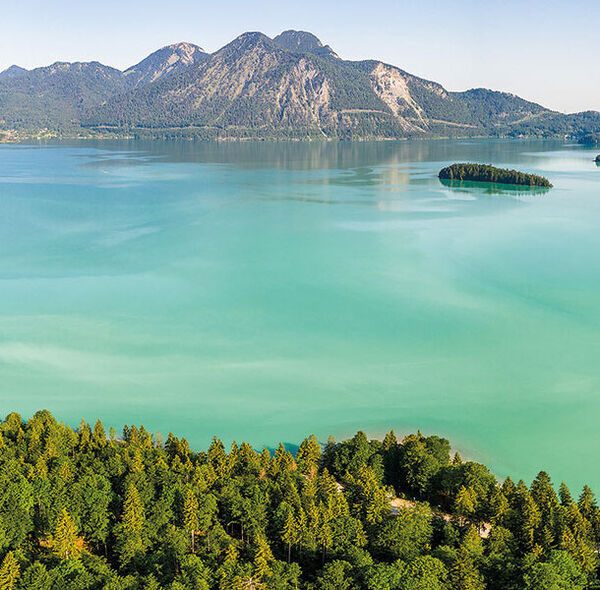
point(263, 292)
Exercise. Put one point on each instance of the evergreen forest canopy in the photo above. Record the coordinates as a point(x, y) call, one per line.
point(487, 173)
point(255, 87)
point(80, 509)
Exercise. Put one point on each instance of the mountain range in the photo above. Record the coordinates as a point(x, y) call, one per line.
point(288, 87)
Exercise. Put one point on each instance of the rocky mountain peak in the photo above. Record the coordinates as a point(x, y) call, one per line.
point(167, 60)
point(305, 42)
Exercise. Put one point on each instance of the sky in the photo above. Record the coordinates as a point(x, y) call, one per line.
point(545, 51)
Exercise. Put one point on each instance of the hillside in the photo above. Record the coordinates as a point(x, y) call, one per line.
point(292, 86)
point(56, 95)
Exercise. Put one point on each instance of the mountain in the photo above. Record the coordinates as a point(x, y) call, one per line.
point(286, 87)
point(304, 42)
point(250, 84)
point(56, 95)
point(292, 86)
point(12, 71)
point(166, 61)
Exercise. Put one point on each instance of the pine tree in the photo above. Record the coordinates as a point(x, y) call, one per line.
point(99, 435)
point(137, 463)
point(360, 539)
point(464, 573)
point(308, 456)
point(389, 441)
point(265, 462)
point(499, 507)
point(565, 495)
point(65, 542)
point(465, 503)
point(289, 533)
point(85, 434)
point(324, 533)
point(231, 554)
point(587, 502)
point(132, 525)
point(9, 572)
point(568, 543)
point(262, 559)
point(191, 521)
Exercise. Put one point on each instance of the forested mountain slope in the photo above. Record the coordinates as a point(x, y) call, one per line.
point(56, 95)
point(291, 86)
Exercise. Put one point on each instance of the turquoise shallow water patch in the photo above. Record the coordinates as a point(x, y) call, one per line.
point(266, 291)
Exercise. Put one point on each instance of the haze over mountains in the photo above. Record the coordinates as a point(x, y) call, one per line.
point(291, 86)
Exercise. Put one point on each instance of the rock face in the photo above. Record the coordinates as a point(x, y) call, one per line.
point(171, 59)
point(292, 86)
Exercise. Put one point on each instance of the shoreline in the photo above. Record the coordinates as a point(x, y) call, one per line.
point(12, 137)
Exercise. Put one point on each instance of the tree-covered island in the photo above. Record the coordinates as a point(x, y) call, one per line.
point(487, 173)
point(85, 510)
point(598, 159)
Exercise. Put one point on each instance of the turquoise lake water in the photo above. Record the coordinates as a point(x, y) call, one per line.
point(266, 291)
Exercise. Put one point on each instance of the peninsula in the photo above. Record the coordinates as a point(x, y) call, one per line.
point(83, 508)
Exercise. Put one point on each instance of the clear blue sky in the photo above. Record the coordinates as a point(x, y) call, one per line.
point(545, 51)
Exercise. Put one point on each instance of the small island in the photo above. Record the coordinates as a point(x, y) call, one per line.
point(598, 159)
point(487, 173)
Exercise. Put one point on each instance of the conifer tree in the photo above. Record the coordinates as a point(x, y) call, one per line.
point(191, 521)
point(265, 461)
point(464, 573)
point(65, 542)
point(9, 572)
point(137, 463)
point(99, 436)
point(308, 456)
point(565, 495)
point(132, 525)
point(289, 533)
point(499, 507)
point(262, 558)
point(587, 503)
point(465, 503)
point(231, 554)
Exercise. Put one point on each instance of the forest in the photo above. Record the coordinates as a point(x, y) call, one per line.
point(88, 509)
point(486, 173)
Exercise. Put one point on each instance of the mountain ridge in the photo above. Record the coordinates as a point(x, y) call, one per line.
point(12, 71)
point(291, 86)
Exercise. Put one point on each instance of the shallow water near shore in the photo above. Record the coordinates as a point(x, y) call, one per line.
point(263, 292)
